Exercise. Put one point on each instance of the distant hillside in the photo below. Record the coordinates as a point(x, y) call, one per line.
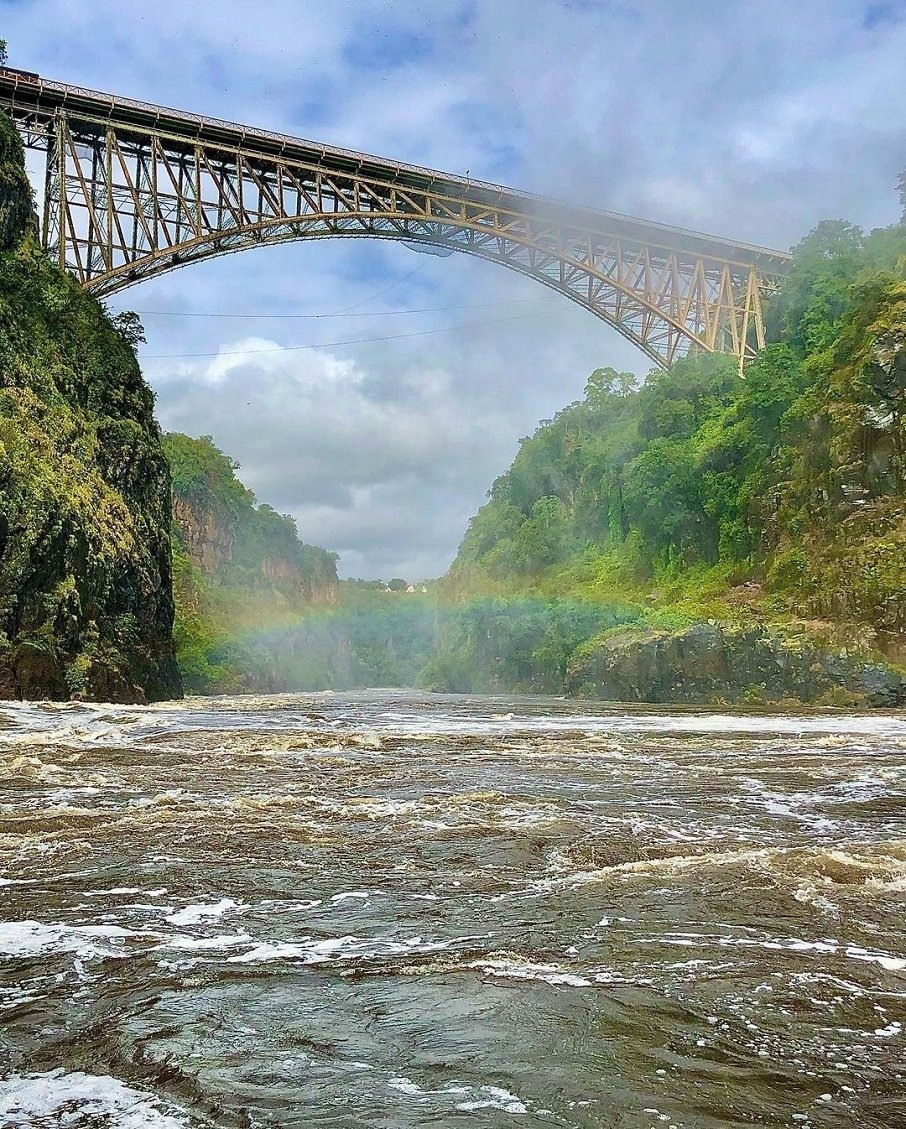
point(239, 569)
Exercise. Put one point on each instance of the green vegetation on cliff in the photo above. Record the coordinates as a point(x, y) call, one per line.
point(85, 590)
point(777, 499)
point(259, 610)
point(241, 574)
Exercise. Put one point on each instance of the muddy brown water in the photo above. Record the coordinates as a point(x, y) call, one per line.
point(392, 910)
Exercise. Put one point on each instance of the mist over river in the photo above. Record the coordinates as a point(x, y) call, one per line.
point(388, 909)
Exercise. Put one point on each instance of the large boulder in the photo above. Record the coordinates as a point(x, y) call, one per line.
point(707, 664)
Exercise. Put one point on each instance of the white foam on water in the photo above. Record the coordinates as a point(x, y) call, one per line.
point(887, 962)
point(116, 890)
point(827, 946)
point(811, 876)
point(656, 867)
point(332, 949)
point(203, 911)
point(481, 1097)
point(412, 1089)
point(791, 808)
point(58, 1098)
point(221, 941)
point(288, 905)
point(441, 725)
point(33, 938)
point(162, 799)
point(107, 725)
point(514, 969)
point(494, 1097)
point(508, 966)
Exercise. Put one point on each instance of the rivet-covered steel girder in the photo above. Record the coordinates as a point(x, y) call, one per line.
point(133, 190)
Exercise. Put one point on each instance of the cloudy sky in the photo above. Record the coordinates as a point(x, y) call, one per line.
point(747, 118)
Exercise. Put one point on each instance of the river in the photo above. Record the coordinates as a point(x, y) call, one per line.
point(394, 910)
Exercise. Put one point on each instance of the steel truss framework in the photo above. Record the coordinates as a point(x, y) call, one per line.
point(133, 190)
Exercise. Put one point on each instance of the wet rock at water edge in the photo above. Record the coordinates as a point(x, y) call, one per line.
point(707, 664)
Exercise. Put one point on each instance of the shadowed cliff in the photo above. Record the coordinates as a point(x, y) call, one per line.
point(86, 605)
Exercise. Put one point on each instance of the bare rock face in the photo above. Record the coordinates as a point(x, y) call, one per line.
point(86, 604)
point(207, 538)
point(710, 665)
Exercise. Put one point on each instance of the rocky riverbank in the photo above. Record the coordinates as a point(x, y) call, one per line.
point(712, 665)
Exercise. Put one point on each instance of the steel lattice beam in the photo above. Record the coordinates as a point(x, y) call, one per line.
point(133, 190)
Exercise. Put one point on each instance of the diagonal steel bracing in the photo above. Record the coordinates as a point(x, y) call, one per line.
point(133, 190)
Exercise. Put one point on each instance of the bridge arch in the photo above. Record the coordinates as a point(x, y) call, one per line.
point(613, 302)
point(134, 190)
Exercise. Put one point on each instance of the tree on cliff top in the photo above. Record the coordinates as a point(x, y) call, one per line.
point(3, 55)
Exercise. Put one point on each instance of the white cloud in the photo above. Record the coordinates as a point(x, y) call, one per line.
point(360, 462)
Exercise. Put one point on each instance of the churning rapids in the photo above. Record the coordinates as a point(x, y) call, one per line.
point(401, 910)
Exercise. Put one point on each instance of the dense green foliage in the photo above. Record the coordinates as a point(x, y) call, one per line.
point(85, 596)
point(240, 571)
point(780, 495)
point(495, 645)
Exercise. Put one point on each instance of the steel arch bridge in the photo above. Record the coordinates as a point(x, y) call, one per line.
point(133, 189)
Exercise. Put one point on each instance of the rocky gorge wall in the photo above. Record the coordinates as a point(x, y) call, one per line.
point(86, 605)
point(216, 544)
point(243, 578)
point(757, 527)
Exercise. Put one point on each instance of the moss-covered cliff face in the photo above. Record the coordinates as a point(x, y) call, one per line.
point(86, 607)
point(242, 575)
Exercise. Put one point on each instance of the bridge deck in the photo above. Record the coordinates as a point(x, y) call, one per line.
point(32, 97)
